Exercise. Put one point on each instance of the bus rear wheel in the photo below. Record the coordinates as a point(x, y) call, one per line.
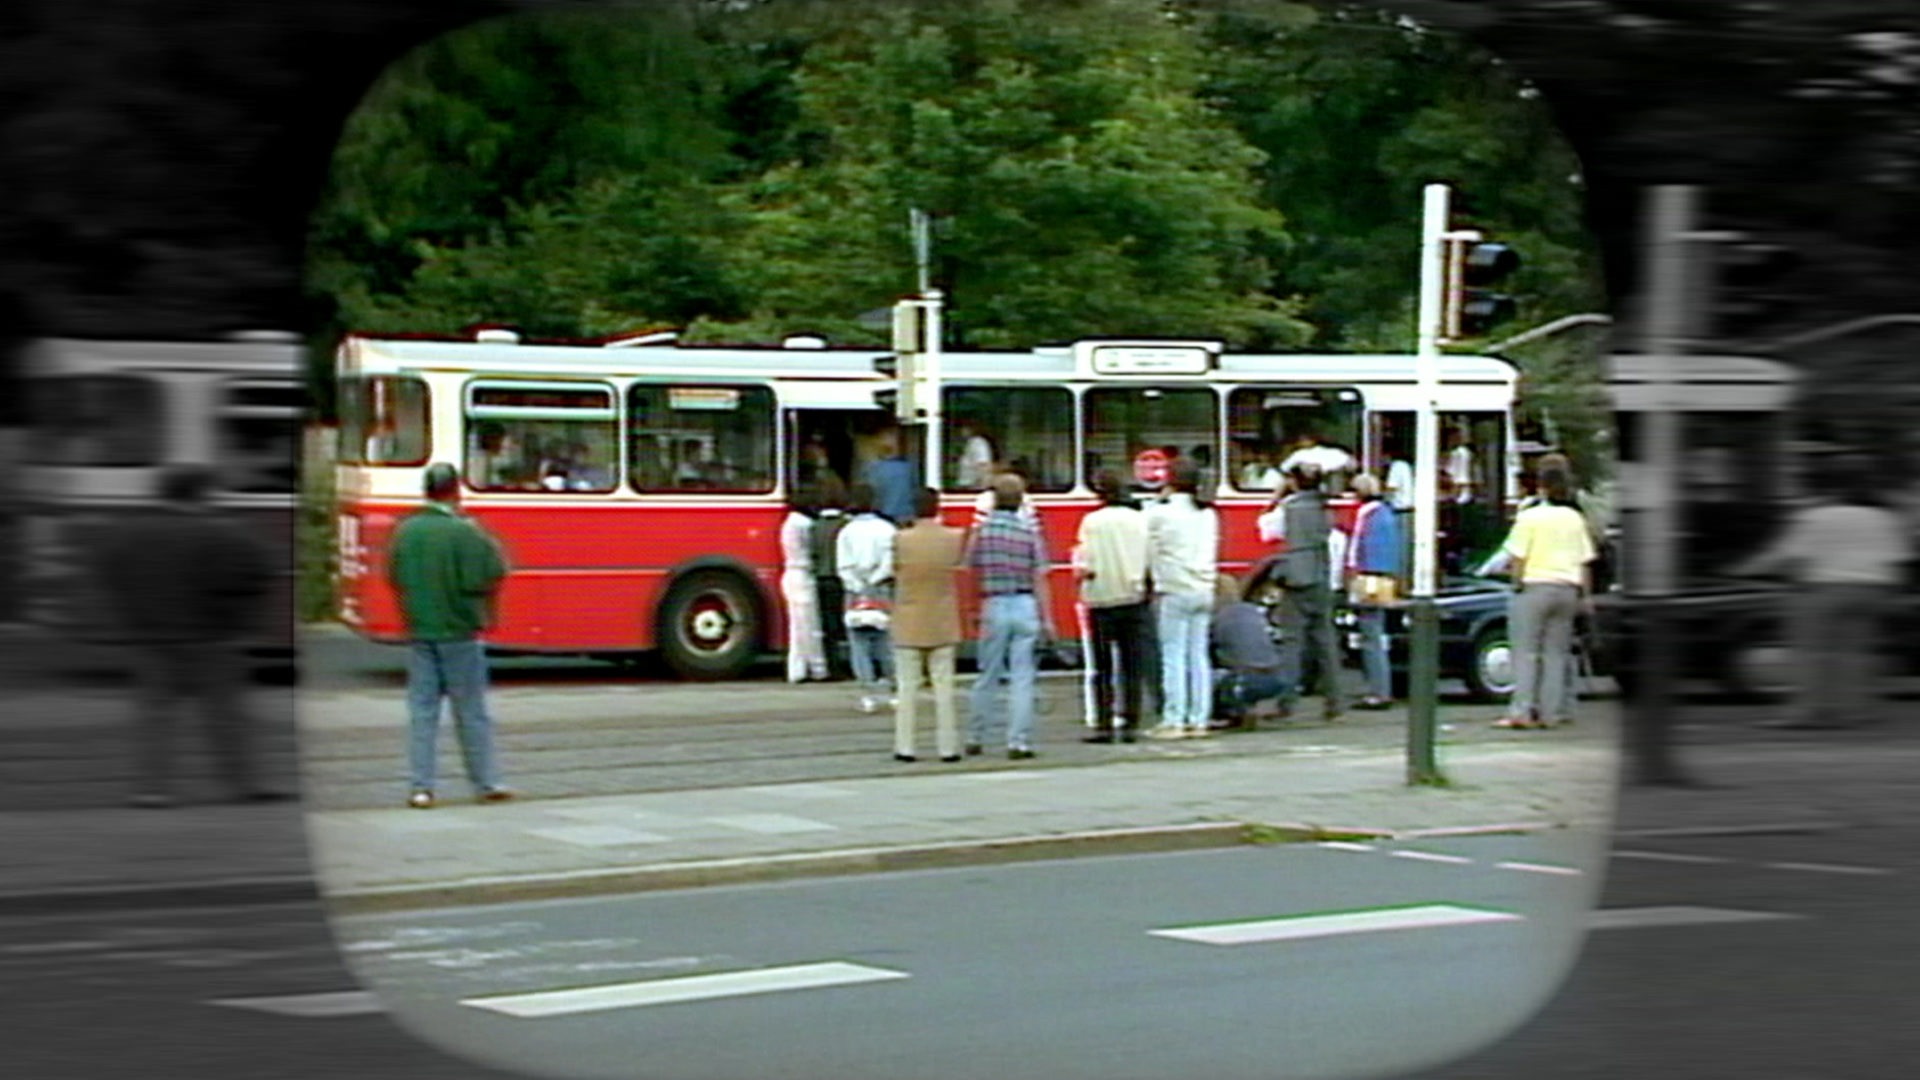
point(709, 625)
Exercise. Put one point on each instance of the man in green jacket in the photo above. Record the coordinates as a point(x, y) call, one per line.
point(446, 570)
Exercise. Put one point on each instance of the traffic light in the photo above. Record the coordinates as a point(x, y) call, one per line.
point(1473, 308)
point(903, 366)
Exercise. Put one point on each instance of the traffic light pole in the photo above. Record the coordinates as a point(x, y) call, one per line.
point(1673, 296)
point(1424, 673)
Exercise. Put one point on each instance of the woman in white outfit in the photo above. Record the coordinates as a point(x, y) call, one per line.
point(806, 648)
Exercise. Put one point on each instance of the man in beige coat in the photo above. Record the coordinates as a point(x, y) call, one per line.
point(926, 624)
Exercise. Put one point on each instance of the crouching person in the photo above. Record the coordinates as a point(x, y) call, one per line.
point(1250, 667)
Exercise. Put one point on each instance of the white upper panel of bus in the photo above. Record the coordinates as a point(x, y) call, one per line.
point(1700, 383)
point(79, 356)
point(366, 355)
point(1636, 367)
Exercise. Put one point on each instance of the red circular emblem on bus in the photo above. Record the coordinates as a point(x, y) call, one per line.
point(1150, 467)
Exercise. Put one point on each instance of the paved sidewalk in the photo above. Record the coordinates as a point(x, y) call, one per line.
point(728, 820)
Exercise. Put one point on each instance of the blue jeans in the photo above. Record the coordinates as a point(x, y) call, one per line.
point(872, 657)
point(1186, 675)
point(1373, 651)
point(1239, 691)
point(457, 671)
point(1009, 628)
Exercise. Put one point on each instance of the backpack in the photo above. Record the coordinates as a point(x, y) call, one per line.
point(825, 541)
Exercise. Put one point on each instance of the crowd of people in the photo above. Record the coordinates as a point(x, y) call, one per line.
point(875, 595)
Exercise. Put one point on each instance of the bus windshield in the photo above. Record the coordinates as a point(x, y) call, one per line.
point(259, 435)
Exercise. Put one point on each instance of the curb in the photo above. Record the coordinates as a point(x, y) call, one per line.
point(845, 862)
point(852, 861)
point(483, 891)
point(242, 892)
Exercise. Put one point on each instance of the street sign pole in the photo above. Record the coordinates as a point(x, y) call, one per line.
point(1424, 675)
point(1673, 297)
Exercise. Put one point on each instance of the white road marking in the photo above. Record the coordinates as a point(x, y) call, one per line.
point(598, 835)
point(1430, 856)
point(310, 1006)
point(1668, 856)
point(1297, 927)
point(51, 948)
point(686, 988)
point(1634, 918)
point(1829, 868)
point(1343, 845)
point(775, 823)
point(1540, 868)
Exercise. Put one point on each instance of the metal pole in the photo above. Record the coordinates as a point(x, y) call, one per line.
point(922, 229)
point(1672, 297)
point(1424, 673)
point(931, 405)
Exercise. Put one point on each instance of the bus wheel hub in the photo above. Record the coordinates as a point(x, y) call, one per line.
point(710, 625)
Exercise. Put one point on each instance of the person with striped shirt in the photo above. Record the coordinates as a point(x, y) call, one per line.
point(1009, 559)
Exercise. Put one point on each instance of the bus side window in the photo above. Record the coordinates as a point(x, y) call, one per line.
point(701, 438)
point(541, 437)
point(1025, 428)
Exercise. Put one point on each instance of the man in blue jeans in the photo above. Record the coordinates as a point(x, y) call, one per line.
point(1243, 645)
point(1009, 560)
point(446, 571)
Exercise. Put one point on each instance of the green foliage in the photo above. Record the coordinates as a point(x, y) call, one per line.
point(1357, 112)
point(1246, 170)
point(542, 171)
point(1066, 153)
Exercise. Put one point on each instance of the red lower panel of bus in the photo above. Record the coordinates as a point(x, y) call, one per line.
point(591, 578)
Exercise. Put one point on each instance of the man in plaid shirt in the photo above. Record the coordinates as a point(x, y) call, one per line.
point(1009, 560)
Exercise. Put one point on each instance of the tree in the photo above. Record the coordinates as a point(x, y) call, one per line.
point(544, 171)
point(1083, 186)
point(1357, 111)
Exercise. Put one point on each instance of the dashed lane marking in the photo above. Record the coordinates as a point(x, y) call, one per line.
point(310, 1006)
point(1668, 856)
point(1331, 924)
point(1431, 856)
point(1540, 868)
point(686, 988)
point(1637, 918)
point(1346, 845)
point(1828, 868)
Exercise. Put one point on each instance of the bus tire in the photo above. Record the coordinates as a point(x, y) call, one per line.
point(1489, 671)
point(1758, 666)
point(710, 625)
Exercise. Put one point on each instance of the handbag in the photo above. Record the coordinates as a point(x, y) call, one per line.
point(1373, 590)
point(868, 613)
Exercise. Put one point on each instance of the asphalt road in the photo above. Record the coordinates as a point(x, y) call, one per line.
point(1759, 956)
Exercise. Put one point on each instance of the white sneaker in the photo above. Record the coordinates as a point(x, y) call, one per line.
point(869, 704)
point(1166, 731)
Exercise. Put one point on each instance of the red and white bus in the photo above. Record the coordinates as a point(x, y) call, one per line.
point(639, 484)
point(106, 417)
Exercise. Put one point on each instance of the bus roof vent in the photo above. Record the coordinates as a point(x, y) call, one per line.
point(804, 341)
point(499, 335)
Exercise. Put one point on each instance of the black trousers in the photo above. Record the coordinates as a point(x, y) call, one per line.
point(833, 626)
point(1306, 623)
point(1120, 636)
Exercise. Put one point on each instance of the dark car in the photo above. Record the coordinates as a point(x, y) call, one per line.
point(1474, 643)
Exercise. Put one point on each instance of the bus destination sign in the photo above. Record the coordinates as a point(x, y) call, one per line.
point(1150, 360)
